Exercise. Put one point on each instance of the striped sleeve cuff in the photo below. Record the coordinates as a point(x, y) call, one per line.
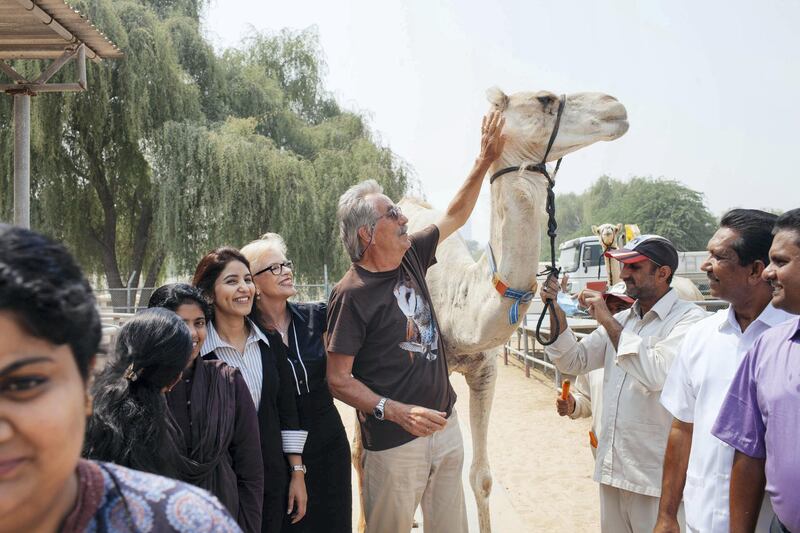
point(294, 440)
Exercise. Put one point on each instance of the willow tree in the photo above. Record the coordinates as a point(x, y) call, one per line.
point(92, 182)
point(176, 149)
point(229, 184)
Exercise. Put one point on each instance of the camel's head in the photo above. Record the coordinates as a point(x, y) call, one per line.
point(530, 117)
point(608, 234)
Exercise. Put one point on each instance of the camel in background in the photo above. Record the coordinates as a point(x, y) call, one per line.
point(607, 233)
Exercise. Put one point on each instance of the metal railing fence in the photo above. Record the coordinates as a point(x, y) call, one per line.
point(132, 299)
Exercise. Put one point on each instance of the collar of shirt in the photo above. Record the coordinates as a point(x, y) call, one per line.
point(769, 317)
point(296, 314)
point(214, 341)
point(661, 308)
point(796, 335)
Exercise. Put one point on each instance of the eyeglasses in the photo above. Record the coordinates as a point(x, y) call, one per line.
point(393, 213)
point(277, 268)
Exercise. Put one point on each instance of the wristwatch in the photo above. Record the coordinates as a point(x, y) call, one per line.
point(297, 468)
point(377, 411)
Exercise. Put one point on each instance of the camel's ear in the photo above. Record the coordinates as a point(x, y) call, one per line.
point(594, 229)
point(619, 228)
point(497, 98)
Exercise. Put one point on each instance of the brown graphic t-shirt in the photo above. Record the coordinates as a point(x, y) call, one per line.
point(386, 321)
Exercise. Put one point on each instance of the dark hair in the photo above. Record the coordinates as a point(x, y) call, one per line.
point(789, 221)
point(44, 289)
point(174, 295)
point(131, 425)
point(754, 228)
point(211, 266)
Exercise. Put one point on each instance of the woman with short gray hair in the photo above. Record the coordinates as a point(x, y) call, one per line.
point(301, 326)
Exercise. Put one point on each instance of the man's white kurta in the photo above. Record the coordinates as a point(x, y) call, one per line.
point(634, 424)
point(693, 393)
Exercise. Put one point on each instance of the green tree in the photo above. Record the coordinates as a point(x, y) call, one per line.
point(662, 206)
point(91, 183)
point(176, 149)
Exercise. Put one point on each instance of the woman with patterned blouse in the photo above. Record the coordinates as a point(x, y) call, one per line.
point(50, 331)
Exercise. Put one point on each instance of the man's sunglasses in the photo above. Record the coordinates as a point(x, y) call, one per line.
point(393, 213)
point(277, 268)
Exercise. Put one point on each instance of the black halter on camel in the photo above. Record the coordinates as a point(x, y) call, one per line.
point(551, 270)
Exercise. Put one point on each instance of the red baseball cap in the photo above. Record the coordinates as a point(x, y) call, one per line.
point(653, 247)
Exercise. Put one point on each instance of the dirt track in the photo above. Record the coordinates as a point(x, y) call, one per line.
point(541, 460)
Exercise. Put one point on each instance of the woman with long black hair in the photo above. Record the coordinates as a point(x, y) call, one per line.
point(130, 423)
point(211, 406)
point(223, 276)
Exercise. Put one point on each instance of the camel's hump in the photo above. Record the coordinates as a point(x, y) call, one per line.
point(416, 200)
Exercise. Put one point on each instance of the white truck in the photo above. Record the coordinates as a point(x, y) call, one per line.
point(582, 259)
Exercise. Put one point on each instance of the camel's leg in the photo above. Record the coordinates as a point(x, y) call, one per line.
point(356, 453)
point(481, 383)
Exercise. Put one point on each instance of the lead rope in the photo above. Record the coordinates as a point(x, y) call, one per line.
point(551, 270)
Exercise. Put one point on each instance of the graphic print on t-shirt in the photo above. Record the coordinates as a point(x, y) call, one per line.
point(422, 336)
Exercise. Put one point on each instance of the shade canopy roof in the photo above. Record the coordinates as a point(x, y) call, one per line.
point(44, 29)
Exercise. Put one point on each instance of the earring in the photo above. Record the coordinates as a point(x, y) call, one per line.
point(89, 404)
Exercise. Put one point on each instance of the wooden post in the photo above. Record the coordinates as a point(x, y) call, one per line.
point(22, 160)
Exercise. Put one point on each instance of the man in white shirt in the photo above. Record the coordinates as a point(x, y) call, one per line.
point(636, 348)
point(697, 465)
point(586, 398)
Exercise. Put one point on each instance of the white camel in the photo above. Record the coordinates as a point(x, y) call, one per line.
point(607, 233)
point(608, 240)
point(473, 316)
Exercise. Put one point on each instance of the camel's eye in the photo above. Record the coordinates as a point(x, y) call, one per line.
point(545, 100)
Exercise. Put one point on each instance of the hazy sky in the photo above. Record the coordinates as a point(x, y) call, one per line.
point(712, 88)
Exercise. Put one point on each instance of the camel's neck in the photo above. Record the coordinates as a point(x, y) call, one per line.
point(517, 209)
point(613, 270)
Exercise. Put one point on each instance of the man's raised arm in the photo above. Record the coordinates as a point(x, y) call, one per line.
point(460, 208)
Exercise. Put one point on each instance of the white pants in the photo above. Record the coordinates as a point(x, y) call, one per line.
point(426, 472)
point(624, 511)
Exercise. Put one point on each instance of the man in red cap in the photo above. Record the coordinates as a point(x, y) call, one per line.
point(636, 348)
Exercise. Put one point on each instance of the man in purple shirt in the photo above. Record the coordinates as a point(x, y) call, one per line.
point(761, 414)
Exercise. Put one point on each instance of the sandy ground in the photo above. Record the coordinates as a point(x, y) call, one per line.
point(541, 463)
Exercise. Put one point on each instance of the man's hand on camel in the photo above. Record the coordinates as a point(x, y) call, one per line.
point(419, 421)
point(492, 138)
point(565, 407)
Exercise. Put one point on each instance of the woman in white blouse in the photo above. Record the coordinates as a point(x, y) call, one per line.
point(224, 277)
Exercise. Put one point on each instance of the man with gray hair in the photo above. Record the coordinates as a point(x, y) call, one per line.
point(386, 357)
